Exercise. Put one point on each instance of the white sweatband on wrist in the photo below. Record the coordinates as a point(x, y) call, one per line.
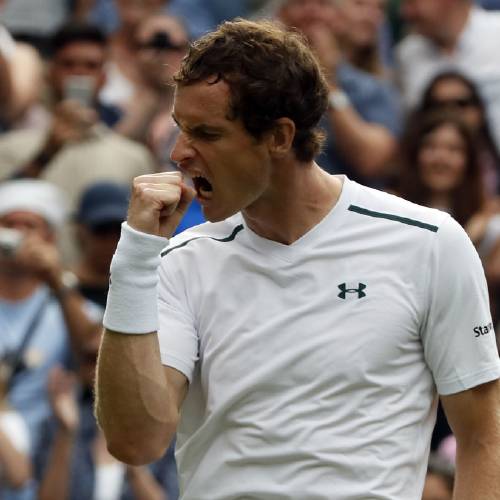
point(132, 305)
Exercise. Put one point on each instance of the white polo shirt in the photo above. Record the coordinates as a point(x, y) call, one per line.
point(314, 367)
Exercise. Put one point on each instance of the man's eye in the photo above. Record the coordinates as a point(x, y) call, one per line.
point(206, 136)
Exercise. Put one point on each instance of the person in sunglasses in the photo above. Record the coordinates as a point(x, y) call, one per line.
point(452, 90)
point(160, 44)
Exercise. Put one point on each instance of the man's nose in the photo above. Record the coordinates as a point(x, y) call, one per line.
point(182, 151)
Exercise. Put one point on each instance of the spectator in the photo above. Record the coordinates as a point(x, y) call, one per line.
point(74, 458)
point(121, 70)
point(160, 43)
point(78, 149)
point(362, 121)
point(440, 167)
point(102, 209)
point(450, 34)
point(20, 83)
point(38, 304)
point(360, 30)
point(453, 90)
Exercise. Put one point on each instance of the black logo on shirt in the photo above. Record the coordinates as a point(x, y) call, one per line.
point(483, 330)
point(344, 290)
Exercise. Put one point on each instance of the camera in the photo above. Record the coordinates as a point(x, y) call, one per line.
point(80, 88)
point(10, 241)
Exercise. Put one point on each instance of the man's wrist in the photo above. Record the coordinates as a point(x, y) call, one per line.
point(132, 296)
point(64, 284)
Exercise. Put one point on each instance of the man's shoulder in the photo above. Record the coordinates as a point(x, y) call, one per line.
point(387, 208)
point(208, 233)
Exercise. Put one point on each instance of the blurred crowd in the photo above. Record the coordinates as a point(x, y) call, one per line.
point(85, 106)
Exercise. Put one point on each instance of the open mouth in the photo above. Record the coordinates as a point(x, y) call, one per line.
point(203, 187)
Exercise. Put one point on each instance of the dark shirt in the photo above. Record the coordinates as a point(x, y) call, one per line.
point(109, 115)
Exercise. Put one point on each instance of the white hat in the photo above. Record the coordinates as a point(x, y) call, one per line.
point(36, 196)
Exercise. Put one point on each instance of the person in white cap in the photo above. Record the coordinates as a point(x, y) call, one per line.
point(40, 312)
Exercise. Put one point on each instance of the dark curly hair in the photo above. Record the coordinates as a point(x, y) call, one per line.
point(271, 74)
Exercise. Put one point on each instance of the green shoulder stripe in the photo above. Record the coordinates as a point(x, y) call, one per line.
point(231, 237)
point(397, 218)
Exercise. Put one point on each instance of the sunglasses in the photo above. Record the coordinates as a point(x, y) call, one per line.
point(161, 41)
point(459, 102)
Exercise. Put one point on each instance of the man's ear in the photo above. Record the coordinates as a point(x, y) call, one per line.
point(281, 137)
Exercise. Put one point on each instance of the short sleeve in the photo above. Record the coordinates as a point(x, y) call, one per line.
point(458, 336)
point(177, 334)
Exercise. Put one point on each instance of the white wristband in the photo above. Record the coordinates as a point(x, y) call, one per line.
point(132, 305)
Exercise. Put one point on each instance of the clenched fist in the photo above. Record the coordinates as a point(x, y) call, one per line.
point(158, 203)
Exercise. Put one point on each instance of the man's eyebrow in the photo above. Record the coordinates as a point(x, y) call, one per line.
point(202, 127)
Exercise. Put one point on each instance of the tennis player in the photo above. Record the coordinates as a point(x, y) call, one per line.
point(299, 341)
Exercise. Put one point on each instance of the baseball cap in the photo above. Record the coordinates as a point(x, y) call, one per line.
point(103, 203)
point(34, 195)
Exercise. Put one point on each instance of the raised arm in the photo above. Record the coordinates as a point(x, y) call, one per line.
point(474, 416)
point(137, 398)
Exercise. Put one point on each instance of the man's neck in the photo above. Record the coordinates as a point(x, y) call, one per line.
point(14, 287)
point(448, 36)
point(303, 196)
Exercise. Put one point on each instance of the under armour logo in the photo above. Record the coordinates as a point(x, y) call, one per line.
point(344, 290)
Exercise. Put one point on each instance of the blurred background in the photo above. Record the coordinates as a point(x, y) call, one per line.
point(85, 106)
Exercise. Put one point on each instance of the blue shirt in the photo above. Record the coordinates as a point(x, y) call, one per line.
point(376, 102)
point(47, 347)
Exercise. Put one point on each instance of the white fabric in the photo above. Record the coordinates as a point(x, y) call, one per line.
point(118, 89)
point(7, 43)
point(40, 18)
point(418, 60)
point(299, 393)
point(15, 428)
point(131, 306)
point(109, 479)
point(34, 195)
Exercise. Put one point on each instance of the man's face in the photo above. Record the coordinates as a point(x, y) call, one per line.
point(78, 59)
point(305, 14)
point(29, 226)
point(360, 20)
point(426, 16)
point(161, 43)
point(231, 170)
point(28, 223)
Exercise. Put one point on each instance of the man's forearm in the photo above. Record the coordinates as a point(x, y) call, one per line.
point(56, 480)
point(477, 471)
point(133, 404)
point(367, 146)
